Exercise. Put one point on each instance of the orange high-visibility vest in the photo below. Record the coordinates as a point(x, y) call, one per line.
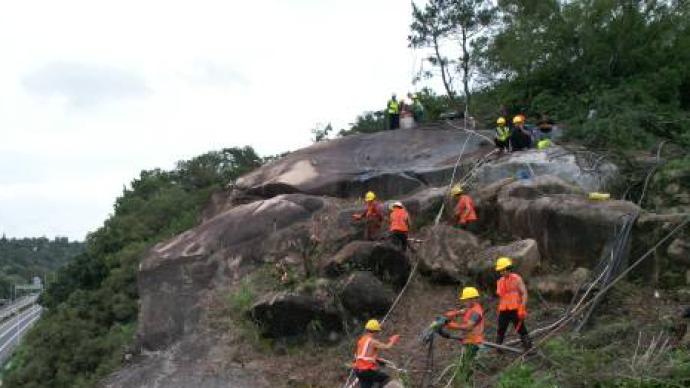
point(366, 354)
point(508, 291)
point(476, 334)
point(374, 211)
point(465, 210)
point(400, 220)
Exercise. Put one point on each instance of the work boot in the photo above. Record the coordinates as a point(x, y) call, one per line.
point(526, 342)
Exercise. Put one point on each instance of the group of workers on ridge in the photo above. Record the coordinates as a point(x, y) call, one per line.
point(410, 107)
point(465, 323)
point(521, 136)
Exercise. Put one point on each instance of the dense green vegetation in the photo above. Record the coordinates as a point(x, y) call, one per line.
point(22, 259)
point(92, 306)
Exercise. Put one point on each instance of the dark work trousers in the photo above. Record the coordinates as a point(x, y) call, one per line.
point(503, 145)
point(371, 378)
point(399, 239)
point(394, 119)
point(507, 317)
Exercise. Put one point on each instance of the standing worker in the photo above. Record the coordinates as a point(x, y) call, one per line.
point(400, 224)
point(417, 107)
point(366, 366)
point(502, 139)
point(393, 110)
point(465, 214)
point(373, 217)
point(521, 138)
point(471, 326)
point(512, 304)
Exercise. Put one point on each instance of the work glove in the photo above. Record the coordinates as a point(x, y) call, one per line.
point(356, 217)
point(446, 334)
point(522, 312)
point(427, 335)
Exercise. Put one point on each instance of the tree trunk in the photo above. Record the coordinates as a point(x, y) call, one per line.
point(466, 70)
point(445, 77)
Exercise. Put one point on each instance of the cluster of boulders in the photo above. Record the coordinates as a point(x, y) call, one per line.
point(295, 215)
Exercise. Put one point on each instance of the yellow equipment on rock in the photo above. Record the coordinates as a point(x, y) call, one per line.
point(599, 196)
point(503, 263)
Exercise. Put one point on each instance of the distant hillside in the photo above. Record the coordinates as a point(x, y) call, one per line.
point(22, 259)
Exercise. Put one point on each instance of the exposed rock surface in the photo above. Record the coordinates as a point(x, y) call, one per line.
point(571, 230)
point(589, 175)
point(287, 314)
point(307, 214)
point(390, 163)
point(560, 288)
point(386, 261)
point(364, 295)
point(446, 252)
point(525, 255)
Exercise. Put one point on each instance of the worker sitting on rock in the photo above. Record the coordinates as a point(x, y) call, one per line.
point(366, 366)
point(502, 139)
point(465, 214)
point(399, 225)
point(393, 111)
point(372, 215)
point(469, 320)
point(521, 137)
point(512, 304)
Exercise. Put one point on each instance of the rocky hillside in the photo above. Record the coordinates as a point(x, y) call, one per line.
point(272, 286)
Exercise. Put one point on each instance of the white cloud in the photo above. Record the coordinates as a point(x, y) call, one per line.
point(92, 92)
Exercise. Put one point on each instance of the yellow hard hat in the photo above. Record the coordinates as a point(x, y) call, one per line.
point(469, 293)
point(503, 263)
point(370, 196)
point(501, 121)
point(373, 325)
point(456, 190)
point(519, 119)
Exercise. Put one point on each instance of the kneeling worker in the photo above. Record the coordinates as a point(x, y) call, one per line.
point(470, 321)
point(512, 304)
point(366, 365)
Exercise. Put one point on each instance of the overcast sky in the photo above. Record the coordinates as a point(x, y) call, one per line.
point(92, 92)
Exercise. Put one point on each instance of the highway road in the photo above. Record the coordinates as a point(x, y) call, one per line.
point(12, 330)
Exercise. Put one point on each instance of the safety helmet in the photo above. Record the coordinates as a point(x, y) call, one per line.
point(373, 325)
point(469, 293)
point(456, 190)
point(519, 119)
point(503, 263)
point(501, 121)
point(369, 196)
point(396, 204)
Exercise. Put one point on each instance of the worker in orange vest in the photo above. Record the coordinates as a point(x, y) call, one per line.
point(512, 304)
point(366, 366)
point(372, 215)
point(465, 214)
point(471, 324)
point(399, 224)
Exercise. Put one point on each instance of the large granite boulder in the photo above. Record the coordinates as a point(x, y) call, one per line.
point(364, 295)
point(391, 163)
point(589, 174)
point(525, 255)
point(289, 314)
point(446, 251)
point(386, 261)
point(571, 230)
point(177, 274)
